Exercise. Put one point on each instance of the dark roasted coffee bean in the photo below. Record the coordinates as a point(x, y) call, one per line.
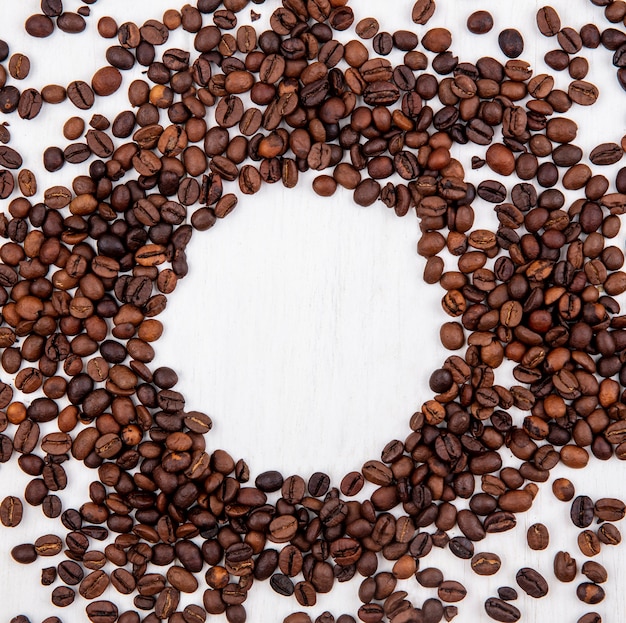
point(538, 537)
point(503, 611)
point(102, 612)
point(548, 21)
point(594, 572)
point(511, 42)
point(11, 511)
point(422, 11)
point(609, 534)
point(480, 22)
point(485, 563)
point(507, 593)
point(590, 593)
point(589, 543)
point(367, 28)
point(39, 26)
point(24, 554)
point(532, 582)
point(63, 596)
point(582, 511)
point(563, 489)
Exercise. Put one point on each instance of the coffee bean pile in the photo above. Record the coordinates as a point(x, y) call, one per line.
point(86, 272)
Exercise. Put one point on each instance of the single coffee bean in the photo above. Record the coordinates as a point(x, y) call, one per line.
point(538, 537)
point(609, 534)
point(511, 42)
point(24, 554)
point(507, 593)
point(563, 489)
point(80, 94)
point(63, 596)
point(367, 28)
point(480, 22)
point(532, 582)
point(11, 511)
point(429, 577)
point(548, 21)
point(583, 93)
point(582, 511)
point(594, 572)
point(486, 563)
point(503, 611)
point(102, 612)
point(589, 543)
point(451, 591)
point(610, 509)
point(70, 572)
point(590, 593)
point(39, 26)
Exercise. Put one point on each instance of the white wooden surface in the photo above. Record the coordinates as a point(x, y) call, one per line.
point(304, 328)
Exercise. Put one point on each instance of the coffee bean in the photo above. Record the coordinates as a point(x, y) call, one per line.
point(511, 42)
point(507, 593)
point(532, 582)
point(606, 154)
point(11, 511)
point(486, 563)
point(582, 511)
point(80, 94)
point(563, 489)
point(583, 93)
point(590, 593)
point(594, 572)
point(367, 28)
point(500, 610)
point(422, 11)
point(609, 534)
point(480, 22)
point(548, 21)
point(451, 591)
point(63, 596)
point(565, 567)
point(589, 543)
point(538, 537)
point(39, 26)
point(102, 612)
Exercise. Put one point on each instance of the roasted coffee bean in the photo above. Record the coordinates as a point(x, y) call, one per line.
point(532, 582)
point(507, 593)
point(80, 94)
point(548, 21)
point(102, 611)
point(70, 572)
point(563, 489)
point(589, 543)
point(590, 593)
point(511, 42)
point(503, 611)
point(565, 567)
point(538, 537)
point(480, 22)
point(486, 563)
point(583, 93)
point(582, 511)
point(594, 572)
point(24, 554)
point(39, 26)
point(367, 28)
point(11, 511)
point(609, 534)
point(63, 596)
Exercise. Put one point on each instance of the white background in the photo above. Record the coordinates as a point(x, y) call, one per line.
point(304, 328)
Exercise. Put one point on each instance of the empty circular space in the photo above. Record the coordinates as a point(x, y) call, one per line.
point(304, 330)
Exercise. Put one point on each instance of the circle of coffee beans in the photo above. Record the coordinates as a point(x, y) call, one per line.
point(86, 273)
